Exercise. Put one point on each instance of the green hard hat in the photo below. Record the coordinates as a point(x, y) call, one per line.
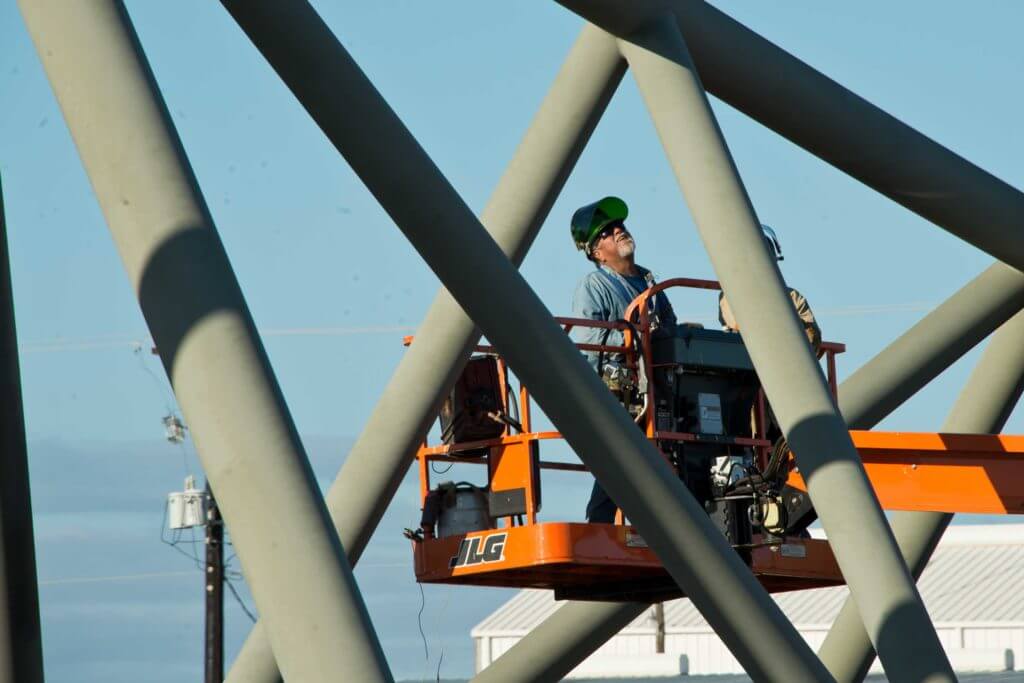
point(591, 219)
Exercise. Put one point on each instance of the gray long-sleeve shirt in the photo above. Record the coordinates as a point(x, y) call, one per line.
point(604, 294)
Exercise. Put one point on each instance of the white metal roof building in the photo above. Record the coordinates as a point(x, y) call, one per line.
point(973, 589)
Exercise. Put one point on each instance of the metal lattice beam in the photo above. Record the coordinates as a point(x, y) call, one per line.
point(387, 445)
point(198, 317)
point(880, 583)
point(983, 407)
point(350, 111)
point(803, 105)
point(310, 601)
point(21, 647)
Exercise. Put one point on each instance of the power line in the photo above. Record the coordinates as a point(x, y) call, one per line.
point(238, 599)
point(104, 343)
point(115, 577)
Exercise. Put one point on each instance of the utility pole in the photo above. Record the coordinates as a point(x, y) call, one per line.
point(214, 577)
point(659, 625)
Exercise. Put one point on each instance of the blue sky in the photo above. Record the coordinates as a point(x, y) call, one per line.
point(332, 284)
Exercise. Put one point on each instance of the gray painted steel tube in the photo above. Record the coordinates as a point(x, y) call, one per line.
point(880, 583)
point(983, 407)
point(381, 455)
point(876, 389)
point(21, 645)
point(749, 72)
point(561, 642)
point(293, 561)
point(775, 88)
point(933, 344)
point(424, 206)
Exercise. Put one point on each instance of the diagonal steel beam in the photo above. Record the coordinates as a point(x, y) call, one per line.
point(300, 578)
point(775, 88)
point(405, 181)
point(983, 407)
point(21, 644)
point(561, 642)
point(880, 583)
point(375, 466)
point(933, 344)
point(929, 347)
point(876, 389)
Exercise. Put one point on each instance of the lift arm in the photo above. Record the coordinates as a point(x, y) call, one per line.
point(967, 473)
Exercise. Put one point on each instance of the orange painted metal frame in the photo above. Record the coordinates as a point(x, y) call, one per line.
point(968, 473)
point(566, 555)
point(580, 556)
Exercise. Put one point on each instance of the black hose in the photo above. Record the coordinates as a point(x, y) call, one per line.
point(779, 450)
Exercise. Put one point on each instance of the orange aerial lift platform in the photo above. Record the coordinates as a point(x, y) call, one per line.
point(695, 395)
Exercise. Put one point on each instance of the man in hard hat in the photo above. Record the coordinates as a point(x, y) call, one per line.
point(803, 309)
point(599, 231)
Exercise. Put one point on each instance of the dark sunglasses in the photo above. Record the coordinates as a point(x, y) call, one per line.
point(609, 231)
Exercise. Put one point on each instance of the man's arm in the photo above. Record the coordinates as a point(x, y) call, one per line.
point(591, 302)
point(803, 309)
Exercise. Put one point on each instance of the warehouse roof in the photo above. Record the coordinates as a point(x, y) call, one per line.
point(976, 575)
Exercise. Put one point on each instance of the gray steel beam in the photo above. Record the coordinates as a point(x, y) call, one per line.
point(250, 450)
point(21, 645)
point(775, 88)
point(381, 455)
point(880, 583)
point(562, 641)
point(929, 347)
point(933, 344)
point(876, 389)
point(748, 72)
point(983, 407)
point(424, 206)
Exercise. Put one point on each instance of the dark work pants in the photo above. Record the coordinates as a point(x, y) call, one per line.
point(601, 508)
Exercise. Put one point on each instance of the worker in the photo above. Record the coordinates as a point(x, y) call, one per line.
point(599, 231)
point(773, 431)
point(803, 309)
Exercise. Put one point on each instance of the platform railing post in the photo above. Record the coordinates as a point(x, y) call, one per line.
point(380, 457)
point(838, 485)
point(21, 646)
point(193, 304)
point(983, 407)
point(405, 181)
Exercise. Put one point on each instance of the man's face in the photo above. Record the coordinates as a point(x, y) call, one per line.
point(613, 243)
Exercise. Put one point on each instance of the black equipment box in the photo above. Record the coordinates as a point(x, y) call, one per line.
point(695, 347)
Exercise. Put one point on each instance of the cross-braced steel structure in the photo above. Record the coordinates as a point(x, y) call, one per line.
point(298, 560)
